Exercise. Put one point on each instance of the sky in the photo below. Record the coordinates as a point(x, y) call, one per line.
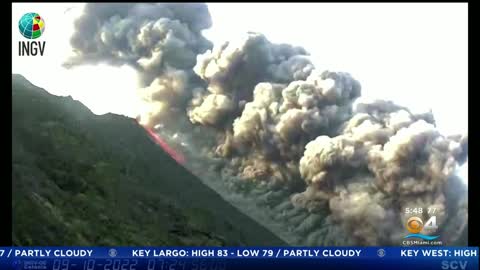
point(415, 54)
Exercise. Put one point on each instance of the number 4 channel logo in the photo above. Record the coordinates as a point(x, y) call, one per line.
point(415, 226)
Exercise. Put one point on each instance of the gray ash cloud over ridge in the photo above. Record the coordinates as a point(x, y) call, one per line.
point(274, 135)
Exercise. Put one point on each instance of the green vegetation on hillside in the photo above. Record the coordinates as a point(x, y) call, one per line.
point(83, 179)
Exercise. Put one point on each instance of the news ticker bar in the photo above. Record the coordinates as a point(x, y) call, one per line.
point(238, 252)
point(233, 258)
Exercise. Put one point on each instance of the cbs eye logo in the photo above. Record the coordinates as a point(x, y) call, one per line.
point(414, 225)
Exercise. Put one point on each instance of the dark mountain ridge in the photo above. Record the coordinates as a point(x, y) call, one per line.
point(85, 179)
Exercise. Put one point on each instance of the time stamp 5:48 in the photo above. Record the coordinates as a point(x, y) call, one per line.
point(419, 210)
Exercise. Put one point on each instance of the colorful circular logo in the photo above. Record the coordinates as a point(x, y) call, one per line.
point(414, 225)
point(31, 25)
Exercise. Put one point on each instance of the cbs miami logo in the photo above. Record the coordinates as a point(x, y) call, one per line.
point(421, 232)
point(31, 26)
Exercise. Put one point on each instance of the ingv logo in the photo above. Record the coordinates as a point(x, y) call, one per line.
point(31, 25)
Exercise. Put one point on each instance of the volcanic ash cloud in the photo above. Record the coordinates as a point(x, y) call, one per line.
point(268, 124)
point(385, 159)
point(161, 41)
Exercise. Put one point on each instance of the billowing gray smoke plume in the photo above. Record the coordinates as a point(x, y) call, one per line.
point(279, 137)
point(161, 41)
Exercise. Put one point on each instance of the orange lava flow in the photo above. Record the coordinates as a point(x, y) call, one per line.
point(159, 141)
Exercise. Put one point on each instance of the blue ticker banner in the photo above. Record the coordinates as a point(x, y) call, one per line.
point(217, 258)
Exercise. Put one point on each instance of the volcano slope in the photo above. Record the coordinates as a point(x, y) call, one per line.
point(85, 179)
